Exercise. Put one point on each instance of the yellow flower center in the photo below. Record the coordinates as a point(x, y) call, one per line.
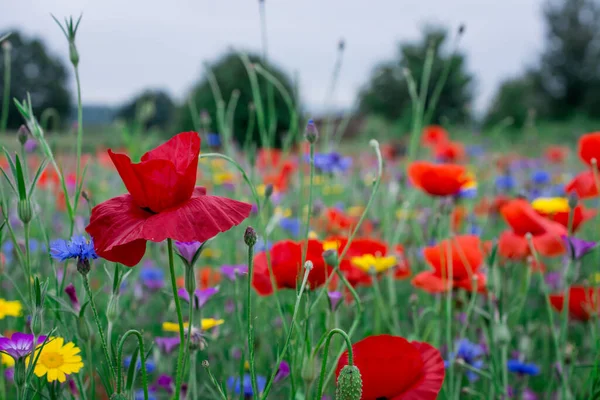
point(369, 262)
point(551, 205)
point(51, 359)
point(331, 245)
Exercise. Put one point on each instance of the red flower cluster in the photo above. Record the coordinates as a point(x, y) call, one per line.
point(584, 185)
point(455, 263)
point(162, 203)
point(442, 148)
point(393, 368)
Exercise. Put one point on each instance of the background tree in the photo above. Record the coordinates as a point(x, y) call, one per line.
point(231, 75)
point(386, 94)
point(156, 104)
point(36, 71)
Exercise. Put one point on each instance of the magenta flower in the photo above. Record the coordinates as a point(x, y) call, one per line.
point(72, 293)
point(578, 247)
point(283, 371)
point(19, 345)
point(201, 296)
point(232, 271)
point(188, 250)
point(334, 299)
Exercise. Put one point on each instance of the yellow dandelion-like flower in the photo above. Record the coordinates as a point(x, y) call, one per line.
point(10, 308)
point(205, 324)
point(57, 360)
point(7, 360)
point(368, 262)
point(173, 326)
point(551, 205)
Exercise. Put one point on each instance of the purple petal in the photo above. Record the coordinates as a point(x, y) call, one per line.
point(203, 295)
point(283, 372)
point(167, 344)
point(334, 299)
point(578, 247)
point(188, 249)
point(183, 294)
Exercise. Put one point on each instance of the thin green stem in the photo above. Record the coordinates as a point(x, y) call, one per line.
point(78, 176)
point(6, 95)
point(326, 353)
point(179, 368)
point(310, 199)
point(249, 326)
point(142, 360)
point(27, 264)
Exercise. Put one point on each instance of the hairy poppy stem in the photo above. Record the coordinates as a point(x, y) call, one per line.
point(326, 353)
point(179, 368)
point(120, 345)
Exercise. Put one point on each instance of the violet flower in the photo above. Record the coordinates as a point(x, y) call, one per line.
point(232, 271)
point(334, 299)
point(578, 247)
point(167, 344)
point(19, 345)
point(72, 293)
point(187, 250)
point(283, 372)
point(201, 296)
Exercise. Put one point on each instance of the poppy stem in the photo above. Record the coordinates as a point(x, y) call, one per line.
point(326, 353)
point(249, 322)
point(179, 368)
point(142, 360)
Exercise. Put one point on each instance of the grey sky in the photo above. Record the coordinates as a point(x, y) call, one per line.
point(129, 45)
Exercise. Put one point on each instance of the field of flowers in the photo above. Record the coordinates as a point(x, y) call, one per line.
point(197, 269)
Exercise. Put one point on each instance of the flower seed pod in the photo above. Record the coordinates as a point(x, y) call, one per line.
point(24, 211)
point(331, 258)
point(250, 236)
point(349, 384)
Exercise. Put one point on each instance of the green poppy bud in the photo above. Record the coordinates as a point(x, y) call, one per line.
point(331, 258)
point(349, 384)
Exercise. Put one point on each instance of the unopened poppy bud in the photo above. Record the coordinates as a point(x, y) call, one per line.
point(24, 211)
point(268, 191)
point(331, 258)
point(502, 334)
point(22, 134)
point(250, 236)
point(20, 372)
point(349, 384)
point(83, 329)
point(85, 195)
point(311, 134)
point(83, 266)
point(190, 280)
point(573, 200)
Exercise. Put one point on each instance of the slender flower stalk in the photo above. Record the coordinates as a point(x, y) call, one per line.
point(6, 48)
point(250, 240)
point(326, 353)
point(180, 354)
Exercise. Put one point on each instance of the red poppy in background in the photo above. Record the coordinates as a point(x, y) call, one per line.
point(556, 154)
point(437, 179)
point(580, 215)
point(454, 261)
point(583, 302)
point(450, 152)
point(281, 179)
point(208, 277)
point(48, 178)
point(393, 368)
point(286, 264)
point(162, 203)
point(403, 270)
point(335, 221)
point(583, 185)
point(589, 148)
point(523, 219)
point(268, 158)
point(358, 247)
point(434, 135)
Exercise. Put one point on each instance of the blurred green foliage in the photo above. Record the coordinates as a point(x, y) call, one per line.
point(34, 71)
point(154, 107)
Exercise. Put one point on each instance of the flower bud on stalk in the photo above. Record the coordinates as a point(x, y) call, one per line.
point(250, 236)
point(83, 266)
point(349, 384)
point(37, 322)
point(112, 311)
point(190, 281)
point(22, 135)
point(24, 211)
point(331, 258)
point(311, 134)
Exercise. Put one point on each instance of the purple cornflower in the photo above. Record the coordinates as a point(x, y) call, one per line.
point(188, 250)
point(232, 271)
point(30, 145)
point(78, 247)
point(167, 344)
point(334, 299)
point(283, 371)
point(72, 293)
point(19, 345)
point(201, 296)
point(578, 247)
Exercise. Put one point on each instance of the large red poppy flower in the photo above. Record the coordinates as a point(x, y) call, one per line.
point(589, 147)
point(580, 215)
point(162, 203)
point(583, 302)
point(455, 264)
point(434, 135)
point(393, 368)
point(450, 152)
point(523, 219)
point(583, 185)
point(286, 264)
point(437, 179)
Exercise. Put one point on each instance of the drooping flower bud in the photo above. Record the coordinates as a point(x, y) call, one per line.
point(268, 191)
point(250, 236)
point(349, 384)
point(311, 134)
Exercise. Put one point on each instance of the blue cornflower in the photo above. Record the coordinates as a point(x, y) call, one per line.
point(150, 366)
point(152, 277)
point(505, 182)
point(541, 177)
point(139, 395)
point(470, 353)
point(331, 162)
point(213, 139)
point(261, 246)
point(78, 247)
point(522, 368)
point(292, 225)
point(234, 384)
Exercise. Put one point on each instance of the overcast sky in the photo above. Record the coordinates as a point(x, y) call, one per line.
point(129, 45)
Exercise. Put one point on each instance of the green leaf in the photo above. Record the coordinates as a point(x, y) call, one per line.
point(9, 181)
point(38, 173)
point(132, 368)
point(20, 178)
point(13, 169)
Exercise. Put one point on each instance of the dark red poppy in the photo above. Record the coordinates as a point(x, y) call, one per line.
point(162, 203)
point(455, 263)
point(580, 215)
point(556, 154)
point(434, 135)
point(393, 368)
point(589, 148)
point(583, 185)
point(523, 219)
point(437, 179)
point(286, 263)
point(583, 302)
point(450, 152)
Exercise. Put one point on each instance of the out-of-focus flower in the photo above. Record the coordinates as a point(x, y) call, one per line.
point(150, 366)
point(246, 386)
point(152, 277)
point(450, 152)
point(557, 209)
point(578, 248)
point(434, 135)
point(334, 299)
point(589, 148)
point(583, 185)
point(556, 154)
point(437, 179)
point(331, 162)
point(541, 177)
point(205, 324)
point(56, 360)
point(10, 308)
point(72, 293)
point(282, 372)
point(291, 225)
point(505, 183)
point(470, 353)
point(167, 344)
point(370, 262)
point(213, 139)
point(201, 296)
point(233, 271)
point(583, 302)
point(522, 368)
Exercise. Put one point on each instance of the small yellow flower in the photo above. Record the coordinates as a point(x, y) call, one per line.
point(331, 245)
point(10, 308)
point(57, 360)
point(173, 326)
point(551, 205)
point(246, 365)
point(211, 253)
point(283, 212)
point(205, 324)
point(355, 211)
point(220, 178)
point(405, 214)
point(7, 360)
point(368, 262)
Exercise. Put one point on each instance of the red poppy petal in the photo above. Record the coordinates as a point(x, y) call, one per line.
point(430, 283)
point(260, 275)
point(584, 185)
point(513, 246)
point(125, 169)
point(428, 387)
point(129, 254)
point(589, 147)
point(182, 149)
point(549, 244)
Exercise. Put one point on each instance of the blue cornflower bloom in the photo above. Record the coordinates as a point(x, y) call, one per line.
point(234, 384)
point(139, 395)
point(541, 177)
point(470, 353)
point(331, 162)
point(213, 139)
point(78, 247)
point(150, 366)
point(505, 182)
point(292, 225)
point(152, 277)
point(522, 368)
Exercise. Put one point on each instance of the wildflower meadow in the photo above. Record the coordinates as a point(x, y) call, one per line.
point(194, 265)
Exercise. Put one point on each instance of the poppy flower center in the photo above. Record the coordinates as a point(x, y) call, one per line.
point(52, 359)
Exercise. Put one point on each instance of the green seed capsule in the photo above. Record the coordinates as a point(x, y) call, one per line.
point(349, 384)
